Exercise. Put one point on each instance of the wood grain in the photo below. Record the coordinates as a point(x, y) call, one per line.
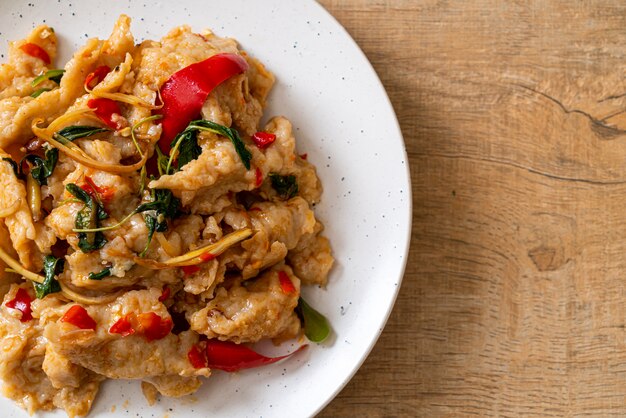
point(513, 299)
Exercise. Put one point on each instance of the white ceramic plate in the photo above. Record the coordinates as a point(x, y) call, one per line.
point(346, 124)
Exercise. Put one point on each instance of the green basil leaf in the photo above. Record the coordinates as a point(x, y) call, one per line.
point(100, 275)
point(43, 168)
point(232, 134)
point(51, 267)
point(88, 218)
point(54, 75)
point(285, 186)
point(38, 92)
point(316, 327)
point(164, 203)
point(165, 206)
point(74, 132)
point(84, 197)
point(189, 148)
point(170, 204)
point(161, 223)
point(78, 193)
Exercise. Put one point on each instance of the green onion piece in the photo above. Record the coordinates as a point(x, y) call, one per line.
point(316, 327)
point(54, 75)
point(38, 92)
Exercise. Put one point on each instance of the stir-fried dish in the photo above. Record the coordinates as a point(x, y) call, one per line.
point(149, 227)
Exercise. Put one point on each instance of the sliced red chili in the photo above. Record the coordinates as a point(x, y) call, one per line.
point(102, 193)
point(123, 327)
point(104, 110)
point(90, 191)
point(197, 357)
point(78, 316)
point(304, 156)
point(263, 139)
point(185, 92)
point(94, 78)
point(285, 283)
point(259, 177)
point(231, 357)
point(36, 51)
point(21, 302)
point(153, 327)
point(165, 294)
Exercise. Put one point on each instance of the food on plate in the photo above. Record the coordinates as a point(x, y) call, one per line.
point(150, 229)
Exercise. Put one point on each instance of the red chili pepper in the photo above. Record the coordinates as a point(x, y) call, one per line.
point(21, 302)
point(259, 177)
point(186, 90)
point(207, 257)
point(104, 110)
point(122, 327)
point(36, 51)
point(285, 283)
point(78, 316)
point(165, 294)
point(304, 156)
point(97, 76)
point(231, 357)
point(197, 357)
point(102, 193)
point(189, 270)
point(153, 327)
point(263, 139)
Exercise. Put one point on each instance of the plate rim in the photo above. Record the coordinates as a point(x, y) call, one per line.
point(407, 242)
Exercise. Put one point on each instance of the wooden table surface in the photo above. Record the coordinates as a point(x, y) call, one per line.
point(513, 298)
